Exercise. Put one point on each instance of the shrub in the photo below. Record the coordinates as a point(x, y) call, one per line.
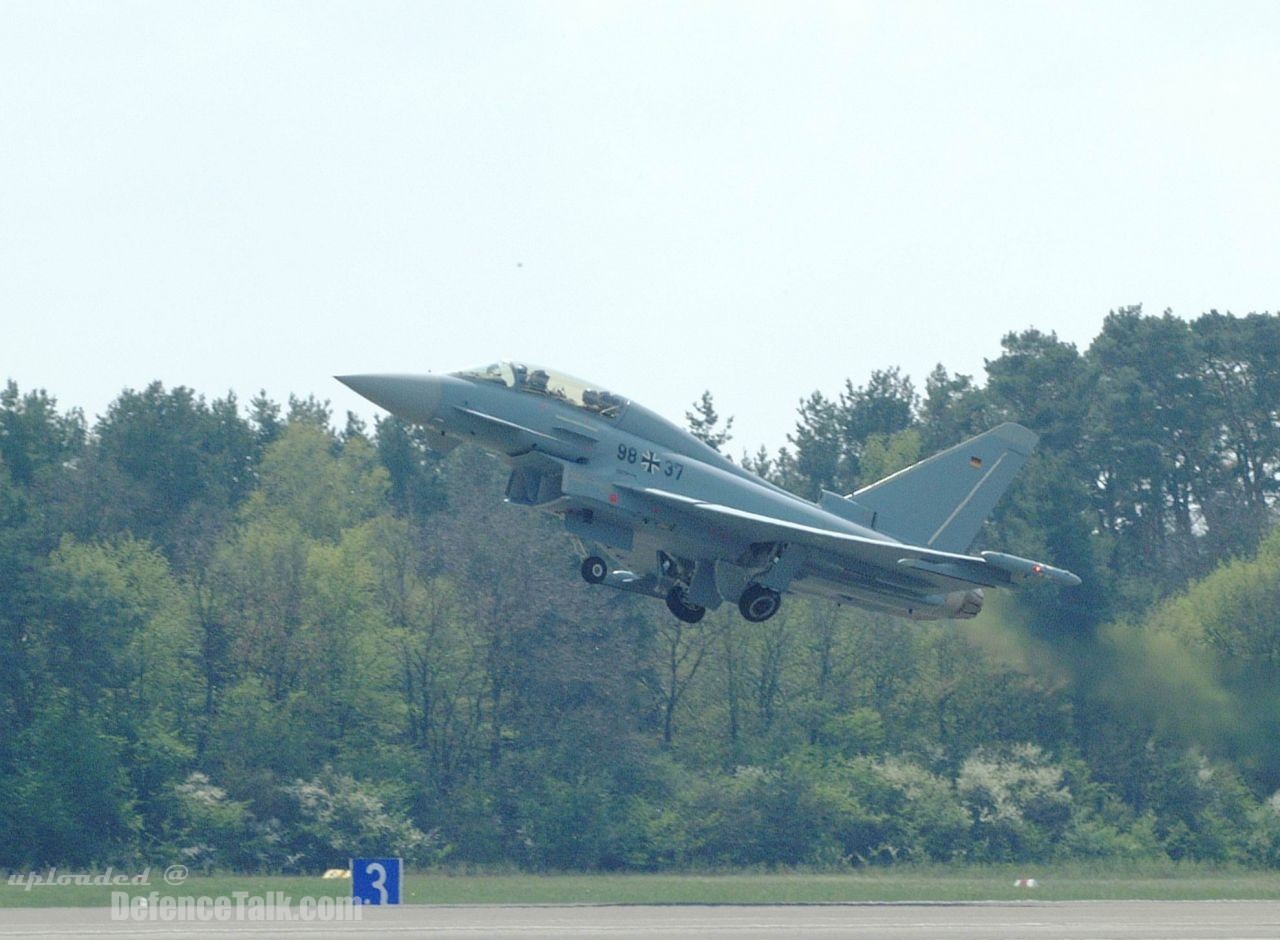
point(1017, 801)
point(339, 818)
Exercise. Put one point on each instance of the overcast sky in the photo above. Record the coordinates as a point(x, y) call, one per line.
point(761, 199)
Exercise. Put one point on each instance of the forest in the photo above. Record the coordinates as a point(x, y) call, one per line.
point(252, 637)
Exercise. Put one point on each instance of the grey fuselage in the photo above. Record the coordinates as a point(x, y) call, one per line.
point(593, 468)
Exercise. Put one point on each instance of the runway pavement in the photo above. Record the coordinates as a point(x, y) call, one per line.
point(1076, 920)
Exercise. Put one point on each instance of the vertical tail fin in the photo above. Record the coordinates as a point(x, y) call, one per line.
point(942, 502)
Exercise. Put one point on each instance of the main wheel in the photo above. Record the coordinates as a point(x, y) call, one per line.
point(678, 604)
point(594, 570)
point(758, 603)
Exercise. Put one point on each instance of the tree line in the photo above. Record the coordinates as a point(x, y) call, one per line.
point(244, 638)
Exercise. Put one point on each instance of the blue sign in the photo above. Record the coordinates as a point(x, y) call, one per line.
point(375, 880)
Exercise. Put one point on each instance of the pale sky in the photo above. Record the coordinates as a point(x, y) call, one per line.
point(761, 199)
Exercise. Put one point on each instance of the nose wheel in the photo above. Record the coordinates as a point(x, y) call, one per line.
point(594, 570)
point(758, 603)
point(678, 604)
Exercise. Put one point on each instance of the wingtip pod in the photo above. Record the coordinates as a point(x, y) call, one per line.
point(1023, 568)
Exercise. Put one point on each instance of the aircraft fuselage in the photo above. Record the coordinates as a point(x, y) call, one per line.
point(677, 519)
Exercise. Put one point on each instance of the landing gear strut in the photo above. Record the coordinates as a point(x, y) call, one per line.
point(594, 570)
point(678, 604)
point(758, 603)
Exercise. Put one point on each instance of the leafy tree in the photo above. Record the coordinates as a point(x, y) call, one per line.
point(69, 800)
point(680, 649)
point(173, 451)
point(883, 454)
point(1240, 383)
point(1149, 401)
point(310, 410)
point(704, 423)
point(952, 409)
point(34, 436)
point(322, 488)
point(118, 643)
point(264, 417)
point(413, 470)
point(1017, 801)
point(207, 829)
point(885, 405)
point(1043, 383)
point(339, 818)
point(819, 458)
point(20, 599)
point(926, 818)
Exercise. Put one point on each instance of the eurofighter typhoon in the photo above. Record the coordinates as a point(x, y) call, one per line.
point(656, 511)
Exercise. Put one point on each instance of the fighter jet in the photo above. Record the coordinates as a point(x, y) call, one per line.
point(655, 511)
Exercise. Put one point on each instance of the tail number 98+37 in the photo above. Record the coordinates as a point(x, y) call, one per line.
point(650, 461)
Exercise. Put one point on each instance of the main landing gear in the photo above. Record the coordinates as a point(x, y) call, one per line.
point(758, 603)
point(678, 604)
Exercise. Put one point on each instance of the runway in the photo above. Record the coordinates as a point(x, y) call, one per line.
point(1073, 920)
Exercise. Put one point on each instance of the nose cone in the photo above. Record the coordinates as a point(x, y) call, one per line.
point(411, 397)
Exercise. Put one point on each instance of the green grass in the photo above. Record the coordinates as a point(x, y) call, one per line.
point(936, 884)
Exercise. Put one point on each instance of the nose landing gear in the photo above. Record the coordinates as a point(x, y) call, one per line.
point(594, 570)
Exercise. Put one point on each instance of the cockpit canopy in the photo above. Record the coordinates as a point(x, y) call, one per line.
point(557, 385)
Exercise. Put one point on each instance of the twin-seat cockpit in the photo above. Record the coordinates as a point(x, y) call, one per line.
point(557, 385)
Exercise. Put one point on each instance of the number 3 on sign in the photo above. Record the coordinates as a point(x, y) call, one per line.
point(375, 880)
point(379, 883)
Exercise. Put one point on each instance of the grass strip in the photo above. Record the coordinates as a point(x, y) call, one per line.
point(897, 885)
